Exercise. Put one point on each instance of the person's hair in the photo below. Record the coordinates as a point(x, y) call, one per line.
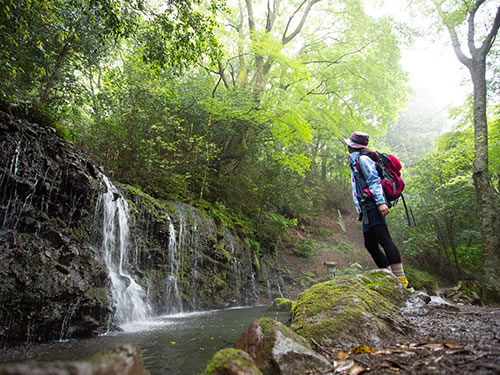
point(363, 150)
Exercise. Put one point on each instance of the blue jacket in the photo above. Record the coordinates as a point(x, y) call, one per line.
point(369, 178)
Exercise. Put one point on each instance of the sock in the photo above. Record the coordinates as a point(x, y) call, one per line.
point(399, 272)
point(397, 269)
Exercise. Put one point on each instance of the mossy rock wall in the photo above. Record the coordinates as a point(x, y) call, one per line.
point(213, 268)
point(53, 281)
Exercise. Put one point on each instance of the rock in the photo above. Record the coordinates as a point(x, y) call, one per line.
point(349, 311)
point(121, 359)
point(231, 361)
point(278, 350)
point(53, 278)
point(466, 291)
point(441, 303)
point(283, 304)
point(416, 305)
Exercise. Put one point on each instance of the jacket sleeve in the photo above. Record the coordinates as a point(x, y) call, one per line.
point(369, 170)
point(355, 194)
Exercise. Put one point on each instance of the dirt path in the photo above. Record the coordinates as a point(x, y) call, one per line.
point(458, 339)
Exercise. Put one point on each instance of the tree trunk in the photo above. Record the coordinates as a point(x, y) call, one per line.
point(487, 209)
point(44, 96)
point(453, 246)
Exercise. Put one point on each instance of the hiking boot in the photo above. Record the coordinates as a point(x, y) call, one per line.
point(405, 283)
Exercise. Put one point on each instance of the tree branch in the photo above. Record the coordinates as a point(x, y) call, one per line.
point(471, 31)
point(285, 39)
point(457, 48)
point(271, 14)
point(490, 39)
point(337, 60)
point(454, 38)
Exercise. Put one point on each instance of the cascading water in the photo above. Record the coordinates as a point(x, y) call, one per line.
point(173, 299)
point(128, 296)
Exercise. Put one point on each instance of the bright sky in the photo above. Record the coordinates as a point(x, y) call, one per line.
point(434, 69)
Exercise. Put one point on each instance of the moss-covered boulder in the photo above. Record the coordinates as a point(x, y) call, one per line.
point(282, 304)
point(121, 359)
point(231, 361)
point(278, 350)
point(352, 310)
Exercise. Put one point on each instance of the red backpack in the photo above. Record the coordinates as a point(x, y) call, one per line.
point(389, 171)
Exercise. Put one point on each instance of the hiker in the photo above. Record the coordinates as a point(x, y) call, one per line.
point(372, 210)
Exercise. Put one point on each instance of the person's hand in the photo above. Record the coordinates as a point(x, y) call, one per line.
point(383, 210)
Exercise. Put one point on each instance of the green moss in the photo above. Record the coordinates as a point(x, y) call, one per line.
point(150, 204)
point(99, 295)
point(231, 361)
point(422, 280)
point(224, 252)
point(305, 249)
point(283, 304)
point(339, 304)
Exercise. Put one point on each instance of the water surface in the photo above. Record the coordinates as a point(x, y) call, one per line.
point(179, 344)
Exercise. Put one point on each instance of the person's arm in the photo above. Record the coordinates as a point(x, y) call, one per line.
point(369, 170)
point(355, 194)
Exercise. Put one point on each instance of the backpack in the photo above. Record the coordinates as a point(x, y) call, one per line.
point(389, 171)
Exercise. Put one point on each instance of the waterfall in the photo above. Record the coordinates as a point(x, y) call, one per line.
point(173, 299)
point(128, 296)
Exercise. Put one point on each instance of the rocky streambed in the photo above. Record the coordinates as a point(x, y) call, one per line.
point(355, 325)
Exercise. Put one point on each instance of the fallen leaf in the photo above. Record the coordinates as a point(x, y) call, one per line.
point(361, 349)
point(356, 370)
point(454, 346)
point(383, 352)
point(173, 342)
point(342, 355)
point(344, 366)
point(434, 346)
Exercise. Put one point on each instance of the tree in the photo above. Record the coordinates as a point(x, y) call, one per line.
point(314, 69)
point(46, 45)
point(479, 40)
point(446, 239)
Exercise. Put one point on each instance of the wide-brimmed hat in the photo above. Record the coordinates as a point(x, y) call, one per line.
point(358, 140)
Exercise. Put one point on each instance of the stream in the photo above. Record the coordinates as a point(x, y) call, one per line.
point(179, 344)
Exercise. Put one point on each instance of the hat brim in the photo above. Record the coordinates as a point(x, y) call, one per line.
point(354, 145)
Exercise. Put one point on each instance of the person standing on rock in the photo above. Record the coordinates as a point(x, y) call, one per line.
point(372, 210)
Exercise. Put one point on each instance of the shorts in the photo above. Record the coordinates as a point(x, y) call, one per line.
point(374, 218)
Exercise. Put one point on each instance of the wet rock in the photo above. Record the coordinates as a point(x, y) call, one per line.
point(415, 306)
point(54, 237)
point(39, 299)
point(231, 362)
point(349, 311)
point(278, 350)
point(121, 359)
point(440, 303)
point(52, 274)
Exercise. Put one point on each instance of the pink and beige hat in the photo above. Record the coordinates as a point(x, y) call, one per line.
point(358, 140)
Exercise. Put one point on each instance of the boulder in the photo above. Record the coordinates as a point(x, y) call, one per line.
point(282, 304)
point(349, 311)
point(278, 350)
point(121, 359)
point(231, 361)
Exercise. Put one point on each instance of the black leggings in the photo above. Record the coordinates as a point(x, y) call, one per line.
point(379, 235)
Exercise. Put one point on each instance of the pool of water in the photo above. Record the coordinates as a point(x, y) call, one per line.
point(179, 344)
